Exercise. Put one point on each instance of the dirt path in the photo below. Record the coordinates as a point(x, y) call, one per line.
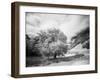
point(84, 60)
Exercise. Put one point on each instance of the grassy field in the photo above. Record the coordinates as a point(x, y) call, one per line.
point(78, 59)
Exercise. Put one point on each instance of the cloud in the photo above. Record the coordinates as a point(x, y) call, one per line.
point(70, 24)
point(32, 20)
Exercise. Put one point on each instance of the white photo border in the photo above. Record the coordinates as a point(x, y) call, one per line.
point(53, 69)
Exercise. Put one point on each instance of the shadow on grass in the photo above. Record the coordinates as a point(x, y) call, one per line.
point(39, 61)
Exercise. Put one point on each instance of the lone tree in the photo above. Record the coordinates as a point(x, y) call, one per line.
point(58, 46)
point(51, 42)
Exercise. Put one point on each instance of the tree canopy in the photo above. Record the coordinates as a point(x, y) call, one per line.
point(51, 42)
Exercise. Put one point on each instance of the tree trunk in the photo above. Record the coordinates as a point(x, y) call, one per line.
point(55, 56)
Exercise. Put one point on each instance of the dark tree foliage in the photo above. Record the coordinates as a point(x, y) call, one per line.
point(86, 44)
point(30, 43)
point(81, 37)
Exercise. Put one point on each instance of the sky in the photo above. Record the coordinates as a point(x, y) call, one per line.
point(69, 24)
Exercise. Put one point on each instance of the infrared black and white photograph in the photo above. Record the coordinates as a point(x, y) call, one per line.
point(54, 39)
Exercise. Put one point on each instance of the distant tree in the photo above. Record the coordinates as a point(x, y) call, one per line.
point(31, 50)
point(28, 46)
